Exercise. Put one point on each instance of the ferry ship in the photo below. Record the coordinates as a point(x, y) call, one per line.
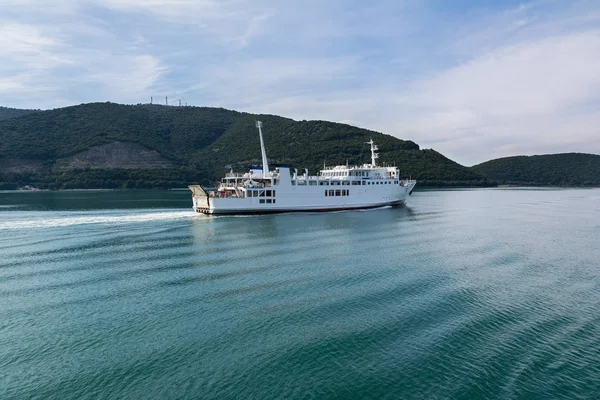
point(341, 187)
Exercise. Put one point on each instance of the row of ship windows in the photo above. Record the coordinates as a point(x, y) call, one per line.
point(359, 173)
point(345, 183)
point(260, 193)
point(343, 192)
point(347, 173)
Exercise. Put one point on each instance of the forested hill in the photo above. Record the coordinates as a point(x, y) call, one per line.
point(568, 169)
point(6, 112)
point(114, 145)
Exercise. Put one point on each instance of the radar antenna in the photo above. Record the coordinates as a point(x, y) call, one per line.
point(374, 155)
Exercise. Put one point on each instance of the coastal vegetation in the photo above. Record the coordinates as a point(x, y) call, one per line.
point(7, 112)
point(567, 169)
point(51, 149)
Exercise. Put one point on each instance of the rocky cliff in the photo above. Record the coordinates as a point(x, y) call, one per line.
point(115, 155)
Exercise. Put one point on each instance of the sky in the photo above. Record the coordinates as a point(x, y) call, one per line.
point(474, 80)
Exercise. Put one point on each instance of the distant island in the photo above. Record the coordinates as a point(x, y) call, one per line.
point(568, 169)
point(108, 145)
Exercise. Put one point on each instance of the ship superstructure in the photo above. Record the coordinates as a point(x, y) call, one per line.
point(341, 187)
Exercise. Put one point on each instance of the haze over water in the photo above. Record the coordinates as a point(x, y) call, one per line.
point(460, 294)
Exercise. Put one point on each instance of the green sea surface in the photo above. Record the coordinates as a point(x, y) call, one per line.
point(460, 294)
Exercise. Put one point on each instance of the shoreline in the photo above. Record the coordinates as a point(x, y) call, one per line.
point(417, 188)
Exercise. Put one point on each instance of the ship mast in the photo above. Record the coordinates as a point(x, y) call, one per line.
point(265, 164)
point(374, 155)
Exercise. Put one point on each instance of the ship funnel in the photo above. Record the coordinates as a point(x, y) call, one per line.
point(265, 164)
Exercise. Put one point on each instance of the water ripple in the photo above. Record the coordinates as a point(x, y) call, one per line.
point(463, 294)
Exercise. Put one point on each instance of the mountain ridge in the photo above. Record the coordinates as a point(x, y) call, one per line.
point(562, 169)
point(196, 142)
point(7, 112)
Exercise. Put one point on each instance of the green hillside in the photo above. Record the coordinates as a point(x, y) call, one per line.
point(310, 144)
point(568, 169)
point(6, 112)
point(198, 142)
point(175, 132)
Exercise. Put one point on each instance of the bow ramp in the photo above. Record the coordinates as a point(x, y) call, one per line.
point(198, 191)
point(200, 198)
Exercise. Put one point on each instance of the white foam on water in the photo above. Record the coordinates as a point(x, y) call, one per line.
point(41, 220)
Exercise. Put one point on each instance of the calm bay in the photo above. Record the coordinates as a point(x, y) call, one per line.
point(488, 293)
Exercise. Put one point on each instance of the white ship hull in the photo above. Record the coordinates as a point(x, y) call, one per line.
point(341, 187)
point(307, 199)
point(235, 209)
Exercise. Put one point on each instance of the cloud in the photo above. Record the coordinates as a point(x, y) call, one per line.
point(66, 58)
point(225, 20)
point(252, 82)
point(27, 57)
point(531, 97)
point(472, 82)
point(171, 8)
point(132, 76)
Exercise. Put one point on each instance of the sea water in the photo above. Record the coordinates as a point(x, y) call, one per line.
point(463, 294)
